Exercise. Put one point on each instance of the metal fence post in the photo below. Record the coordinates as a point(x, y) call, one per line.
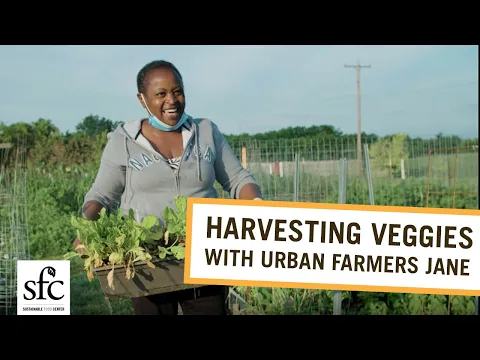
point(296, 179)
point(342, 199)
point(369, 175)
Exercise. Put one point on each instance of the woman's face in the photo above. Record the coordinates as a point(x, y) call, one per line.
point(164, 96)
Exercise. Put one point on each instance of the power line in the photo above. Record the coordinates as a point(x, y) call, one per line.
point(358, 67)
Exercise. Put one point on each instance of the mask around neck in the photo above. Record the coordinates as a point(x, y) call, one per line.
point(160, 125)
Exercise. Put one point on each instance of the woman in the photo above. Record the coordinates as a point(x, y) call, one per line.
point(147, 162)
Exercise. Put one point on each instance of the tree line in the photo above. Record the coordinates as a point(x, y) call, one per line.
point(46, 145)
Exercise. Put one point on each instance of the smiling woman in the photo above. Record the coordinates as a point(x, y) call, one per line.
point(160, 91)
point(146, 163)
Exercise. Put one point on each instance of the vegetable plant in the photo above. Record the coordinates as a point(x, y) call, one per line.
point(118, 240)
point(176, 229)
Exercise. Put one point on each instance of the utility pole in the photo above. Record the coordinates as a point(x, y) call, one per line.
point(358, 67)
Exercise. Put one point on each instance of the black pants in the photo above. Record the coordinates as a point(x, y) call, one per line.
point(205, 300)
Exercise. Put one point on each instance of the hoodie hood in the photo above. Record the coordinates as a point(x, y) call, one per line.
point(132, 131)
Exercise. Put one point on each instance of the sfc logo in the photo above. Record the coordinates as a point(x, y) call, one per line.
point(43, 287)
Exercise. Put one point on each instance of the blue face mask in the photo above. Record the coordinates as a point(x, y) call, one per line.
point(160, 125)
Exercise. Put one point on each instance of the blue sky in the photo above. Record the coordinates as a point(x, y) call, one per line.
point(420, 90)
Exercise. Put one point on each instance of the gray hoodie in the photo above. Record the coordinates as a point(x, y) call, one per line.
point(133, 175)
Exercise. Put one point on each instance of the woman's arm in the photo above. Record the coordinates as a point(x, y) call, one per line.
point(109, 185)
point(230, 173)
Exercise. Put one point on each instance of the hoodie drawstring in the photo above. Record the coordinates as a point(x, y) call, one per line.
point(199, 175)
point(127, 152)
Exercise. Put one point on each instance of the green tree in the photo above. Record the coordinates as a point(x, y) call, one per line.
point(93, 125)
point(387, 153)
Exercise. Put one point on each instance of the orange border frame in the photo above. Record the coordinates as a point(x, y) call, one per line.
point(306, 205)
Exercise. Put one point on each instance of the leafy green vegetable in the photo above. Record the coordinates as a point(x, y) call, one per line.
point(176, 220)
point(118, 240)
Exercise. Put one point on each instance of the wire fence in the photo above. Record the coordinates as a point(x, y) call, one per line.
point(403, 172)
point(13, 227)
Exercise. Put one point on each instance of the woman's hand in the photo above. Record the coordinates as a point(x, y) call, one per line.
point(91, 211)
